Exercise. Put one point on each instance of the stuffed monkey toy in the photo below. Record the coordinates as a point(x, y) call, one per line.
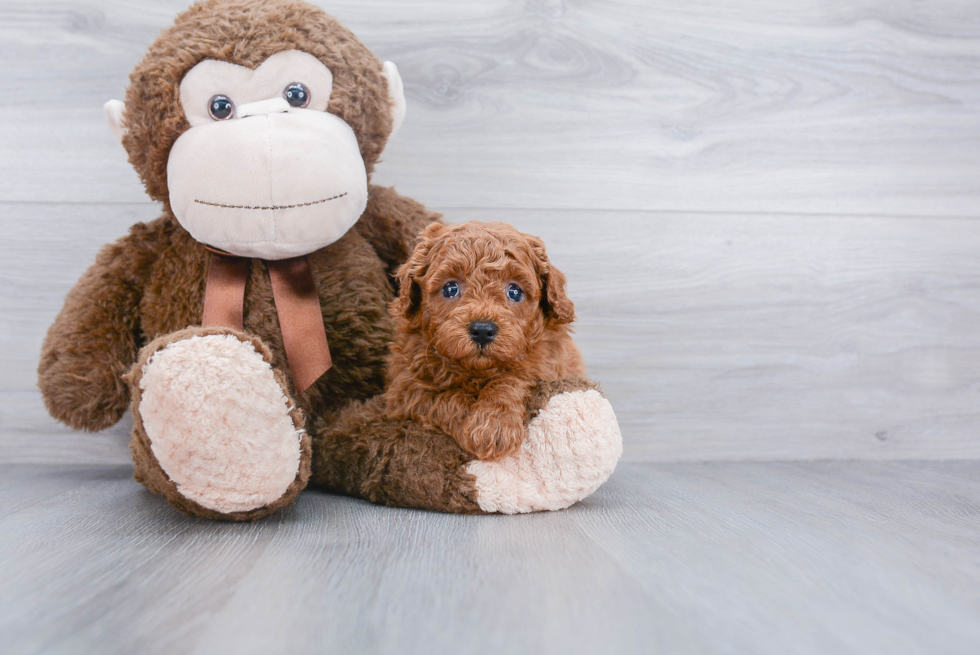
point(248, 326)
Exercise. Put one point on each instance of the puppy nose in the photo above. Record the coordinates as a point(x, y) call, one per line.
point(483, 332)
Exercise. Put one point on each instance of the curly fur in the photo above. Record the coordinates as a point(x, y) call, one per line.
point(438, 375)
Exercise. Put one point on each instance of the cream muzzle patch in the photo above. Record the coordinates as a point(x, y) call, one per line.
point(268, 179)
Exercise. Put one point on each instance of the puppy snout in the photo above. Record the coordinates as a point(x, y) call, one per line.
point(483, 332)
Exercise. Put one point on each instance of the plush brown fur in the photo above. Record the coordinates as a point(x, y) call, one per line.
point(365, 453)
point(151, 283)
point(438, 375)
point(394, 462)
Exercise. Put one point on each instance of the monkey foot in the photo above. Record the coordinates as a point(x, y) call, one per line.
point(215, 430)
point(571, 448)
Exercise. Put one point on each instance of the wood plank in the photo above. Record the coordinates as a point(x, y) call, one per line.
point(872, 554)
point(347, 580)
point(820, 107)
point(843, 557)
point(738, 337)
point(716, 337)
point(24, 486)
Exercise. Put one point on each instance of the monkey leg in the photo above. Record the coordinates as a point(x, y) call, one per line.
point(215, 430)
point(363, 453)
point(573, 444)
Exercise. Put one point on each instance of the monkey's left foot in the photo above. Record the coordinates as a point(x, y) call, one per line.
point(572, 447)
point(214, 428)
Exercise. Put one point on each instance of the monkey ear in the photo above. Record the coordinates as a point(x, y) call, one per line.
point(557, 307)
point(114, 114)
point(396, 93)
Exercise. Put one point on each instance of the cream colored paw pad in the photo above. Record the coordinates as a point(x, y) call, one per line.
point(571, 448)
point(219, 423)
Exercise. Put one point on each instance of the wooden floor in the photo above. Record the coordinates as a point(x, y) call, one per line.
point(769, 215)
point(860, 557)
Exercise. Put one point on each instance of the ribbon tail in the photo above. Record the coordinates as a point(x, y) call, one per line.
point(224, 295)
point(300, 320)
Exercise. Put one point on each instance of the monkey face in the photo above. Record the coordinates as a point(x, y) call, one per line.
point(258, 123)
point(264, 171)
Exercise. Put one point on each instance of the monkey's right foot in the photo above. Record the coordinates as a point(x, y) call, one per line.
point(215, 430)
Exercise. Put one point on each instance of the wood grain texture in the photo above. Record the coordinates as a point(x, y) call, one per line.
point(731, 337)
point(718, 334)
point(805, 558)
point(820, 107)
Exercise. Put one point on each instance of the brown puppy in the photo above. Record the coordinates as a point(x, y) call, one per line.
point(481, 317)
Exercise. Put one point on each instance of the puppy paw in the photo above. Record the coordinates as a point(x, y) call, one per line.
point(489, 435)
point(572, 447)
point(215, 418)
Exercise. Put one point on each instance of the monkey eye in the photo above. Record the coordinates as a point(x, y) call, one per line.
point(297, 95)
point(450, 289)
point(515, 292)
point(221, 108)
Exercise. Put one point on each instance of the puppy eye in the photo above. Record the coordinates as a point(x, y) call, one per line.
point(515, 293)
point(297, 95)
point(221, 108)
point(450, 289)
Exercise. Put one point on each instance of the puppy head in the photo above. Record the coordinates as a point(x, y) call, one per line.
point(481, 293)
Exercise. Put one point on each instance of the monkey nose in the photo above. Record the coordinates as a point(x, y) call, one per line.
point(270, 106)
point(483, 332)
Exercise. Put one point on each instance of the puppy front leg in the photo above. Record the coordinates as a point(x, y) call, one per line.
point(494, 427)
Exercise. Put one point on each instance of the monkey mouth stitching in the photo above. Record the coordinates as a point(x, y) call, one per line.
point(302, 204)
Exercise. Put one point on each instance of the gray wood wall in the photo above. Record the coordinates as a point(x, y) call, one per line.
point(769, 212)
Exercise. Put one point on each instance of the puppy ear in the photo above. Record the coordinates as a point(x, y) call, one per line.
point(557, 308)
point(406, 306)
point(409, 298)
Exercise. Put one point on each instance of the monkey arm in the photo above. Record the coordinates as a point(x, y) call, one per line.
point(96, 336)
point(391, 223)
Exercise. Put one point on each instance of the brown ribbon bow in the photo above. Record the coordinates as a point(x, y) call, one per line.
point(297, 305)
